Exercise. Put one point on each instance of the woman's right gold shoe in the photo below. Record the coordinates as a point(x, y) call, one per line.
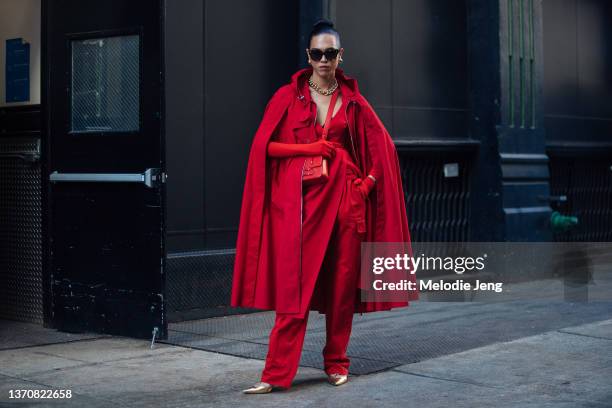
point(337, 379)
point(259, 388)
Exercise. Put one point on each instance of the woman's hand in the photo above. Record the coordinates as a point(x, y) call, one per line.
point(320, 147)
point(365, 186)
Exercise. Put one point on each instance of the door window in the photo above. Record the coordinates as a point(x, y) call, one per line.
point(105, 79)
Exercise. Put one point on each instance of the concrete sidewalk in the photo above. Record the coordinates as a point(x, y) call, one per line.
point(569, 367)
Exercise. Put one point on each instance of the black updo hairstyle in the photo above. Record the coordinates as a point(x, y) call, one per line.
point(323, 26)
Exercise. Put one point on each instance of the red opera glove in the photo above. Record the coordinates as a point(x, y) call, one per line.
point(365, 186)
point(276, 149)
point(320, 147)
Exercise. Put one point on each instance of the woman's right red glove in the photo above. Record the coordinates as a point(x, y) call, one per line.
point(365, 186)
point(320, 147)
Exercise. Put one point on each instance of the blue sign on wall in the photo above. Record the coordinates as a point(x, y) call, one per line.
point(17, 70)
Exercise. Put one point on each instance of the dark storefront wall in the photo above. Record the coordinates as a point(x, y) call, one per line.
point(578, 73)
point(215, 96)
point(219, 77)
point(411, 61)
point(578, 112)
point(410, 58)
point(453, 84)
point(224, 60)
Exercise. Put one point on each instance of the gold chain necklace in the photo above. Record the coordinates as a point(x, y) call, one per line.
point(325, 92)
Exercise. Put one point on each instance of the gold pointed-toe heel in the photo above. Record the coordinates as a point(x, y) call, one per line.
point(259, 388)
point(337, 379)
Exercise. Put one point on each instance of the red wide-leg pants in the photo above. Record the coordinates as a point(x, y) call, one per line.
point(338, 282)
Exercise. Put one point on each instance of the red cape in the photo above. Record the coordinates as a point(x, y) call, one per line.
point(268, 265)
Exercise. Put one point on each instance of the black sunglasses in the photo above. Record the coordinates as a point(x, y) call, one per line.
point(330, 54)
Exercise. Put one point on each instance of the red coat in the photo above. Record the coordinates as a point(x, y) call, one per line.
point(268, 271)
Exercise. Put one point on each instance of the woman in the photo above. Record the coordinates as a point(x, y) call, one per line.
point(298, 246)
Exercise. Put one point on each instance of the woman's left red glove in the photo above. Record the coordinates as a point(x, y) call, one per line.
point(365, 186)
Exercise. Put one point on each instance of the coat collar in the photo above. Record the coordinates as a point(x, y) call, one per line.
point(347, 85)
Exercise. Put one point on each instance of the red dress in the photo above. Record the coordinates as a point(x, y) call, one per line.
point(339, 134)
point(320, 207)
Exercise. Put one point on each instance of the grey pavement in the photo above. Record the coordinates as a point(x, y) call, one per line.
point(551, 354)
point(569, 367)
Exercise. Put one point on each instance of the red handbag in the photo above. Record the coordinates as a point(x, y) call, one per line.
point(315, 167)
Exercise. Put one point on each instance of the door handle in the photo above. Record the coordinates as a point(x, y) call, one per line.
point(152, 177)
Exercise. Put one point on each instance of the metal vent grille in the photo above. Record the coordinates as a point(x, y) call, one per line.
point(199, 284)
point(587, 183)
point(438, 207)
point(21, 283)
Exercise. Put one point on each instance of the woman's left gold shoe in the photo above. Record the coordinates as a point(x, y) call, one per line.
point(259, 388)
point(337, 379)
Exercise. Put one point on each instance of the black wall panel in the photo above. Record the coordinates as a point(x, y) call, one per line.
point(247, 57)
point(184, 62)
point(578, 71)
point(224, 60)
point(410, 58)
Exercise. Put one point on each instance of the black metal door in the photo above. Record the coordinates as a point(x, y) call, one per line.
point(104, 113)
